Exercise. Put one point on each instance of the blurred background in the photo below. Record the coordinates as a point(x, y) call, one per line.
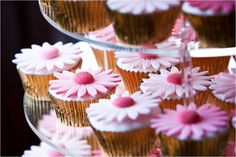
point(21, 26)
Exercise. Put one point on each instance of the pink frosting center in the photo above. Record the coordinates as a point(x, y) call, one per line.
point(83, 78)
point(54, 153)
point(189, 117)
point(124, 102)
point(174, 78)
point(50, 52)
point(147, 56)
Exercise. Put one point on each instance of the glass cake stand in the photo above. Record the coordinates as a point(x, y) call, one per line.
point(34, 113)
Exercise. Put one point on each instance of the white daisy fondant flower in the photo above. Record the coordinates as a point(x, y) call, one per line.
point(121, 107)
point(168, 84)
point(47, 59)
point(148, 63)
point(223, 87)
point(141, 6)
point(83, 84)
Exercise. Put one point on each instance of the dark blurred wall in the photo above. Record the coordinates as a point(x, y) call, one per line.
point(21, 25)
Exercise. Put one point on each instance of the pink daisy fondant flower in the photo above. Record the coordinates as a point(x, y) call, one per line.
point(146, 62)
point(223, 87)
point(47, 58)
point(168, 84)
point(83, 84)
point(191, 122)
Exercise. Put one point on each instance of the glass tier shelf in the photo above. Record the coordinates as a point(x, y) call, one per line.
point(40, 118)
point(162, 50)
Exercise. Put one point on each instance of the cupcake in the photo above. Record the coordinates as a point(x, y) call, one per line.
point(77, 16)
point(104, 56)
point(223, 92)
point(37, 64)
point(133, 67)
point(50, 126)
point(192, 131)
point(121, 124)
point(71, 93)
point(143, 22)
point(213, 21)
point(168, 86)
point(72, 146)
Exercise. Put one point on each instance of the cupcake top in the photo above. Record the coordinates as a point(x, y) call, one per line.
point(50, 126)
point(71, 144)
point(140, 62)
point(83, 84)
point(106, 34)
point(191, 123)
point(47, 59)
point(168, 84)
point(209, 8)
point(123, 112)
point(141, 6)
point(223, 87)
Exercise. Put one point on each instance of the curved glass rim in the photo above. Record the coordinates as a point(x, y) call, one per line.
point(43, 137)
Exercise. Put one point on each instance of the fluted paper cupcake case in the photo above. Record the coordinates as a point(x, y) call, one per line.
point(73, 113)
point(213, 65)
point(143, 29)
point(199, 99)
point(139, 142)
point(132, 80)
point(36, 86)
point(223, 105)
point(36, 108)
point(214, 31)
point(207, 147)
point(76, 16)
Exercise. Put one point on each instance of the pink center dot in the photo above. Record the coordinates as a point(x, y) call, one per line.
point(189, 117)
point(124, 102)
point(49, 52)
point(174, 78)
point(83, 78)
point(147, 56)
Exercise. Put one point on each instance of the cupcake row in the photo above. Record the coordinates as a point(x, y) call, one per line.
point(146, 22)
point(84, 98)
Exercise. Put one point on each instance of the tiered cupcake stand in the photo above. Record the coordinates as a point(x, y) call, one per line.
point(35, 115)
